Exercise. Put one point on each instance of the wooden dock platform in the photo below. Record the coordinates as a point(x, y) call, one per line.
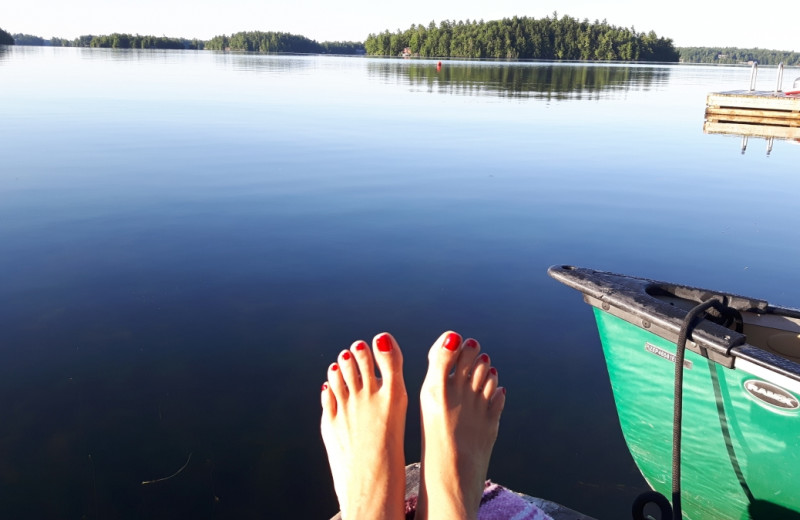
point(754, 107)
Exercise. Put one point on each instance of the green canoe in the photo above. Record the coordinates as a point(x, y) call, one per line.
point(738, 397)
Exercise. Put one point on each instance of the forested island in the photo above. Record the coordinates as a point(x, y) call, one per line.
point(564, 38)
point(549, 38)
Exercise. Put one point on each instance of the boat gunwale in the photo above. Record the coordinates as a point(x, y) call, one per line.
point(633, 299)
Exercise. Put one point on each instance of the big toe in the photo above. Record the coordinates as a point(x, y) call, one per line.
point(388, 359)
point(443, 356)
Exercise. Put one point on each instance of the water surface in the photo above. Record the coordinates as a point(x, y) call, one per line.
point(187, 239)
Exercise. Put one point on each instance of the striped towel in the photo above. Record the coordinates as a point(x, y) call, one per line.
point(497, 503)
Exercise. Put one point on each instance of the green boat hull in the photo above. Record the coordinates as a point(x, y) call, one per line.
point(740, 452)
point(740, 458)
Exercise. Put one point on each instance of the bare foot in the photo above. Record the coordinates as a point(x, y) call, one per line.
point(460, 404)
point(363, 422)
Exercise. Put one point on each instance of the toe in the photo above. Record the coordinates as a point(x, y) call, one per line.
point(443, 356)
point(480, 372)
point(491, 384)
point(349, 370)
point(466, 358)
point(328, 402)
point(366, 367)
point(388, 358)
point(336, 383)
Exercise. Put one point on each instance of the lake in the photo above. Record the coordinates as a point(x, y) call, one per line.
point(187, 240)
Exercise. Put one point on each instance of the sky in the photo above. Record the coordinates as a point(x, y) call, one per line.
point(687, 22)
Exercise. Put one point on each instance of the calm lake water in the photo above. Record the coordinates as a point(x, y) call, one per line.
point(187, 239)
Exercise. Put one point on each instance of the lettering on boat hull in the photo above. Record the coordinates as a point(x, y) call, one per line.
point(669, 356)
point(772, 395)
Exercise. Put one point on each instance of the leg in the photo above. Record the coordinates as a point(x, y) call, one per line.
point(363, 423)
point(460, 405)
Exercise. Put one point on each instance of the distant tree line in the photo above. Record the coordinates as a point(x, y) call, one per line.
point(730, 55)
point(128, 41)
point(342, 47)
point(29, 39)
point(113, 41)
point(264, 42)
point(564, 38)
point(6, 38)
point(254, 41)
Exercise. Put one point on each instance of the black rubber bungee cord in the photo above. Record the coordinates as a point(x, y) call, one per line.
point(677, 412)
point(677, 419)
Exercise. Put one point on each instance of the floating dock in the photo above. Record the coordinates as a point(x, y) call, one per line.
point(744, 113)
point(754, 107)
point(755, 113)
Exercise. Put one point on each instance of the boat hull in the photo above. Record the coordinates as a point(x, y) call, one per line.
point(740, 456)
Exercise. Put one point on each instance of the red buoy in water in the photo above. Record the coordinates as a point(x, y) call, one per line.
point(439, 66)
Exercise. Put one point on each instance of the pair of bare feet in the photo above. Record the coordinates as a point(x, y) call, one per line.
point(363, 424)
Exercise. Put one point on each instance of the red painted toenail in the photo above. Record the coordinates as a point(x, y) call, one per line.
point(485, 358)
point(334, 367)
point(471, 343)
point(493, 371)
point(384, 343)
point(324, 386)
point(452, 341)
point(361, 346)
point(346, 356)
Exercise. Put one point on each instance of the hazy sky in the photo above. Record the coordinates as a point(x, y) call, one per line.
point(687, 22)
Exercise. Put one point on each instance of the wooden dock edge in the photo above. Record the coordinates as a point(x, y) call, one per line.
point(751, 130)
point(756, 100)
point(754, 117)
point(556, 511)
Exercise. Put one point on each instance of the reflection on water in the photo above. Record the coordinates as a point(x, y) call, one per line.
point(263, 63)
point(769, 142)
point(187, 241)
point(526, 80)
point(143, 56)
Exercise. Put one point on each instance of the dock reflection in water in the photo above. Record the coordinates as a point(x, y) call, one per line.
point(747, 130)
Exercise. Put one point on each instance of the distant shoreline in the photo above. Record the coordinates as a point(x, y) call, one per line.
point(419, 41)
point(421, 58)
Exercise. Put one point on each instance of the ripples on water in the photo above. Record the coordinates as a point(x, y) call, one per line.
point(188, 239)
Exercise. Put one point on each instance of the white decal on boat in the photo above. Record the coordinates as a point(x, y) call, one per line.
point(771, 394)
point(669, 356)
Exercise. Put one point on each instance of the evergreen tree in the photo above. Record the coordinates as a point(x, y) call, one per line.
point(6, 38)
point(563, 38)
